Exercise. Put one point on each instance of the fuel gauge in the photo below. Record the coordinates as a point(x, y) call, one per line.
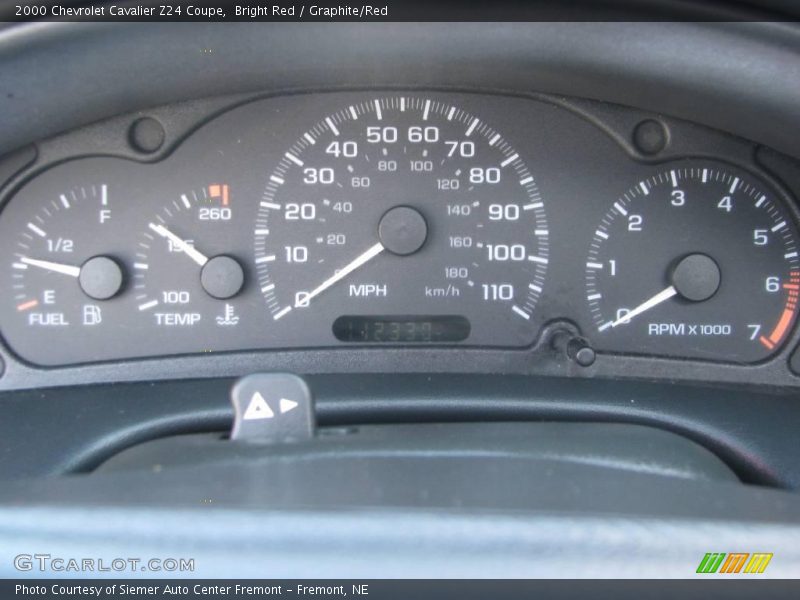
point(62, 268)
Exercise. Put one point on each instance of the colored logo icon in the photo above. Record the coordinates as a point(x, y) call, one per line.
point(735, 562)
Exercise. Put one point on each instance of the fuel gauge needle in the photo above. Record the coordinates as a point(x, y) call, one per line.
point(190, 251)
point(660, 297)
point(55, 267)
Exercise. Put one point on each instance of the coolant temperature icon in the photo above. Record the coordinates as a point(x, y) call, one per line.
point(229, 317)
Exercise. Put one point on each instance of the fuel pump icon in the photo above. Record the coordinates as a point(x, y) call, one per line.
point(92, 315)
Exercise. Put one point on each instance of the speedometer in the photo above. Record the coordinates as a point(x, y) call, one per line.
point(403, 220)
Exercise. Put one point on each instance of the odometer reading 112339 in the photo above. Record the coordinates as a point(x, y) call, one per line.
point(402, 210)
point(698, 261)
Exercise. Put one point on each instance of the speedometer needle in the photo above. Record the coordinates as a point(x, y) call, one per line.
point(361, 260)
point(52, 266)
point(182, 245)
point(660, 297)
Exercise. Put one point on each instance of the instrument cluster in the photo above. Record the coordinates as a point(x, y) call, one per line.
point(401, 219)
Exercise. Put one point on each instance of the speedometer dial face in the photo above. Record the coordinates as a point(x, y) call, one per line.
point(405, 220)
point(700, 261)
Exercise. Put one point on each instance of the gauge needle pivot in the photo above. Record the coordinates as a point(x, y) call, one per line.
point(183, 245)
point(55, 267)
point(660, 297)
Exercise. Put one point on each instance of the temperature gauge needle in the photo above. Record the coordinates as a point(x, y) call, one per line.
point(182, 245)
point(660, 297)
point(52, 266)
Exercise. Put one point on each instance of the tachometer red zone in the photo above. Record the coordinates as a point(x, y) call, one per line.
point(789, 312)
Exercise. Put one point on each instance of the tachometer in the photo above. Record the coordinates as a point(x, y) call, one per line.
point(700, 261)
point(403, 220)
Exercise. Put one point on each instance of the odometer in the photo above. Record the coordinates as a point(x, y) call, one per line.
point(700, 261)
point(399, 329)
point(403, 206)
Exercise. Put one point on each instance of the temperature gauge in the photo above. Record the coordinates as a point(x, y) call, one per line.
point(186, 275)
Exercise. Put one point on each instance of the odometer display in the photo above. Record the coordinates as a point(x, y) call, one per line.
point(399, 329)
point(403, 206)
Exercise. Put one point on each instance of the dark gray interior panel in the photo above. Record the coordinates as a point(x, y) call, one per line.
point(716, 73)
point(85, 426)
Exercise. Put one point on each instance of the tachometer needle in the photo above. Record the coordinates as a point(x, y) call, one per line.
point(52, 266)
point(182, 245)
point(344, 272)
point(660, 297)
